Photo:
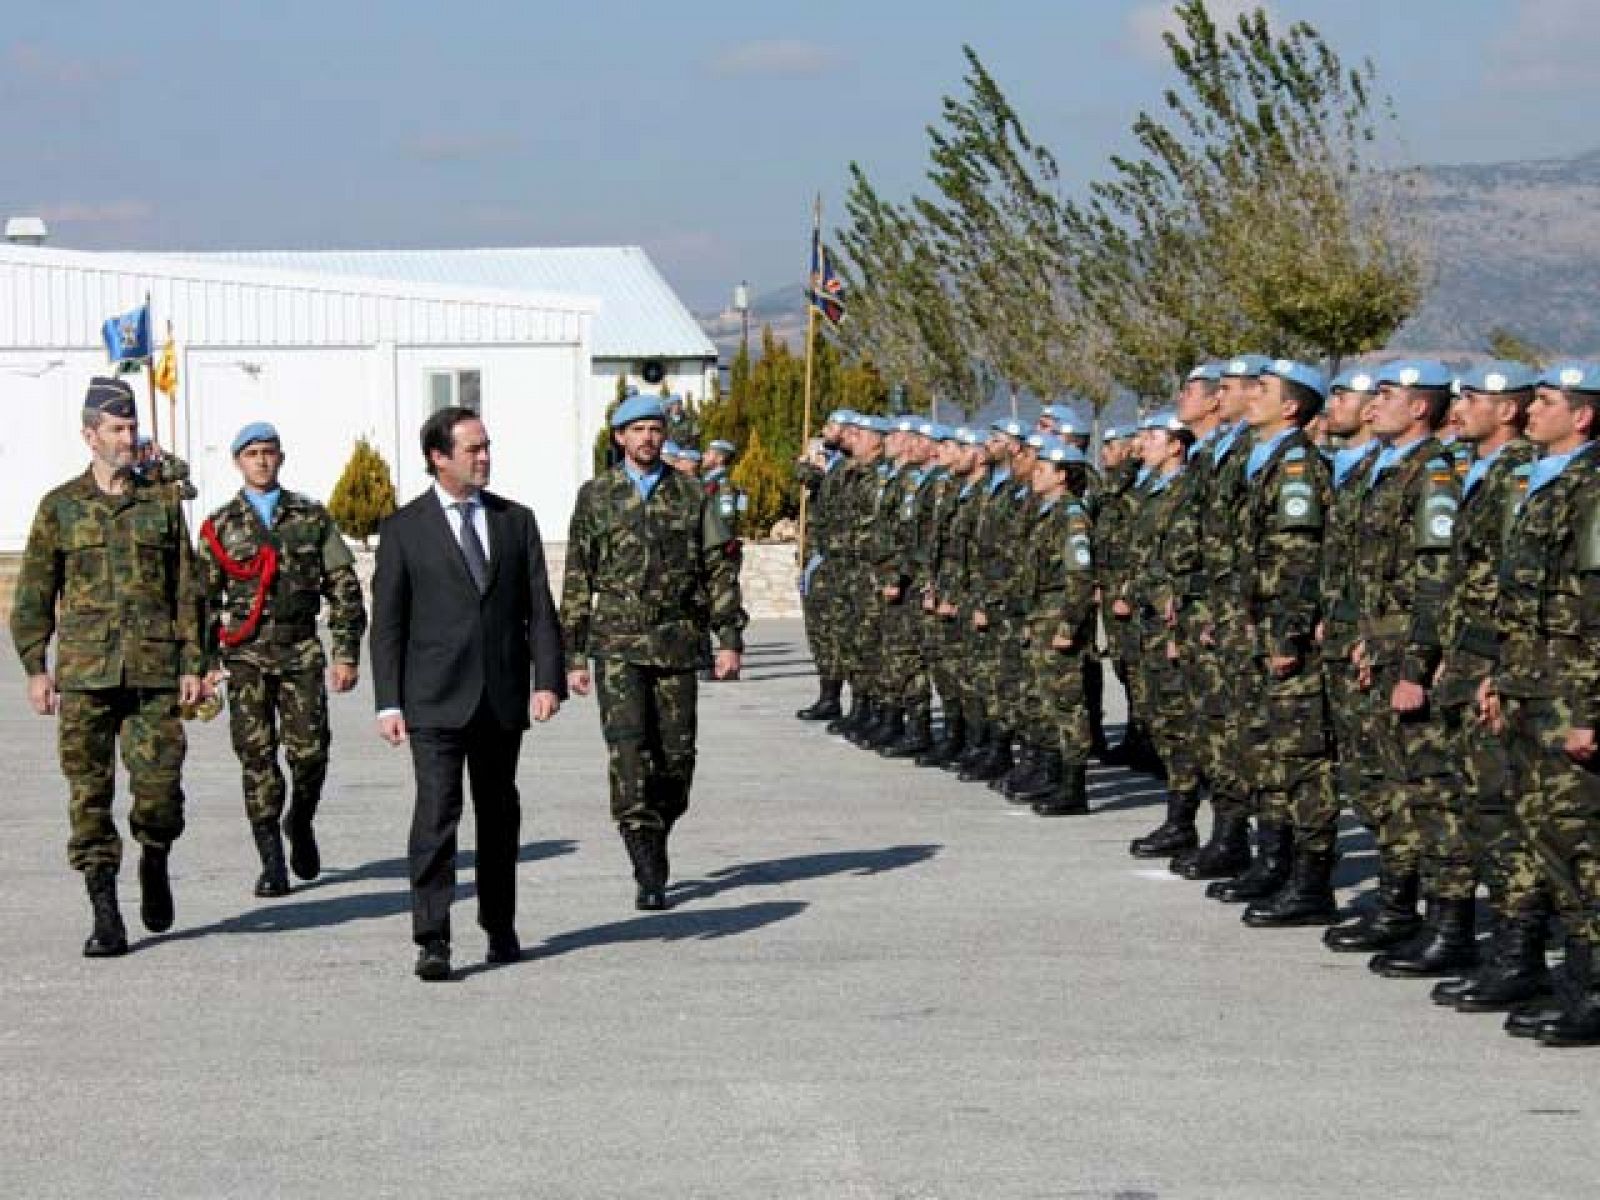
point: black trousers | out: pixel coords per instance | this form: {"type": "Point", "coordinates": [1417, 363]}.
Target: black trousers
{"type": "Point", "coordinates": [489, 753]}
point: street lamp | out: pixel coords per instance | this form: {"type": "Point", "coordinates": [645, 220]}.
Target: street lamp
{"type": "Point", "coordinates": [741, 305]}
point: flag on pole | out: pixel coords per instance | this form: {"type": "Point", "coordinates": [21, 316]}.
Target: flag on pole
{"type": "Point", "coordinates": [827, 289]}
{"type": "Point", "coordinates": [166, 368]}
{"type": "Point", "coordinates": [127, 337]}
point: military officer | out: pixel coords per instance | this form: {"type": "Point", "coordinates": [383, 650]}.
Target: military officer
{"type": "Point", "coordinates": [824, 474]}
{"type": "Point", "coordinates": [651, 568]}
{"type": "Point", "coordinates": [109, 573]}
{"type": "Point", "coordinates": [682, 427]}
{"type": "Point", "coordinates": [715, 464]}
{"type": "Point", "coordinates": [267, 560]}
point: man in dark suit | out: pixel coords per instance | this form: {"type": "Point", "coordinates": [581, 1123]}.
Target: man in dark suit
{"type": "Point", "coordinates": [461, 618]}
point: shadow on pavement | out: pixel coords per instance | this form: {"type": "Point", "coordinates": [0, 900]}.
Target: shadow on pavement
{"type": "Point", "coordinates": [777, 871]}
{"type": "Point", "coordinates": [395, 868]}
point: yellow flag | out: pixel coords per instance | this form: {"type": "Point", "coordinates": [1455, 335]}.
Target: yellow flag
{"type": "Point", "coordinates": [166, 368]}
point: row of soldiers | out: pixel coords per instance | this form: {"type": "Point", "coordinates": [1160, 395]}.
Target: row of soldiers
{"type": "Point", "coordinates": [1317, 600]}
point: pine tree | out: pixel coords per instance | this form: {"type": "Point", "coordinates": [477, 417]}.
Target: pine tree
{"type": "Point", "coordinates": [765, 482]}
{"type": "Point", "coordinates": [364, 494]}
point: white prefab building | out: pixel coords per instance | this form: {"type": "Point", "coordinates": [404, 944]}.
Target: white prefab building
{"type": "Point", "coordinates": [642, 331]}
{"type": "Point", "coordinates": [327, 358]}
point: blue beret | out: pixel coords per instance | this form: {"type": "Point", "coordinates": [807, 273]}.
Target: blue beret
{"type": "Point", "coordinates": [671, 448]}
{"type": "Point", "coordinates": [968, 436]}
{"type": "Point", "coordinates": [638, 408]}
{"type": "Point", "coordinates": [841, 416]}
{"type": "Point", "coordinates": [688, 454]}
{"type": "Point", "coordinates": [111, 396]}
{"type": "Point", "coordinates": [1572, 377]}
{"type": "Point", "coordinates": [672, 400]}
{"type": "Point", "coordinates": [1068, 419]}
{"type": "Point", "coordinates": [1498, 376]}
{"type": "Point", "coordinates": [724, 445]}
{"type": "Point", "coordinates": [872, 424]}
{"type": "Point", "coordinates": [1415, 372]}
{"type": "Point", "coordinates": [1299, 372]}
{"type": "Point", "coordinates": [906, 423]}
{"type": "Point", "coordinates": [1245, 366]}
{"type": "Point", "coordinates": [1210, 372]}
{"type": "Point", "coordinates": [1357, 379]}
{"type": "Point", "coordinates": [1010, 426]}
{"type": "Point", "coordinates": [256, 431]}
{"type": "Point", "coordinates": [1163, 418]}
{"type": "Point", "coordinates": [1115, 433]}
{"type": "Point", "coordinates": [1061, 452]}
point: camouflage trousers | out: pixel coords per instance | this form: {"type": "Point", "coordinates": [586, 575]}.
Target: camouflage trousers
{"type": "Point", "coordinates": [1217, 696]}
{"type": "Point", "coordinates": [1497, 842]}
{"type": "Point", "coordinates": [825, 609]}
{"type": "Point", "coordinates": [1004, 678]}
{"type": "Point", "coordinates": [649, 718]}
{"type": "Point", "coordinates": [1415, 803]}
{"type": "Point", "coordinates": [1284, 755]}
{"type": "Point", "coordinates": [1171, 710]}
{"type": "Point", "coordinates": [1558, 804]}
{"type": "Point", "coordinates": [89, 726]}
{"type": "Point", "coordinates": [862, 629]}
{"type": "Point", "coordinates": [1357, 774]}
{"type": "Point", "coordinates": [977, 653]}
{"type": "Point", "coordinates": [1057, 682]}
{"type": "Point", "coordinates": [943, 656]}
{"type": "Point", "coordinates": [1122, 634]}
{"type": "Point", "coordinates": [266, 709]}
{"type": "Point", "coordinates": [903, 678]}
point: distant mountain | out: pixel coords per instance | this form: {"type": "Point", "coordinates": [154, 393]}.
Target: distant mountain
{"type": "Point", "coordinates": [1513, 245]}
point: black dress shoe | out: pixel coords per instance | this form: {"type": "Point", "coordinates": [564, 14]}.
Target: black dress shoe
{"type": "Point", "coordinates": [433, 961]}
{"type": "Point", "coordinates": [650, 899]}
{"type": "Point", "coordinates": [504, 948]}
{"type": "Point", "coordinates": [155, 890]}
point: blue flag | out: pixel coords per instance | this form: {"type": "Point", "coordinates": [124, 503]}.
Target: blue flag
{"type": "Point", "coordinates": [827, 289]}
{"type": "Point", "coordinates": [128, 336]}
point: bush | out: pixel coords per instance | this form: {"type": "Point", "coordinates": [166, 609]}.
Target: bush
{"type": "Point", "coordinates": [764, 481]}
{"type": "Point", "coordinates": [364, 494]}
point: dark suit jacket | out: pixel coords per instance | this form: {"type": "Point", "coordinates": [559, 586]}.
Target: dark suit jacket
{"type": "Point", "coordinates": [438, 647]}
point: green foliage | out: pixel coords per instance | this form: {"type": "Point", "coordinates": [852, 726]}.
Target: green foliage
{"type": "Point", "coordinates": [765, 482]}
{"type": "Point", "coordinates": [364, 494]}
{"type": "Point", "coordinates": [1503, 343]}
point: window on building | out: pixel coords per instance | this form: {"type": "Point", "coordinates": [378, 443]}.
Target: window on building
{"type": "Point", "coordinates": [447, 389]}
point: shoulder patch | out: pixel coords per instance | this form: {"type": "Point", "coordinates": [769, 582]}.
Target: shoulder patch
{"type": "Point", "coordinates": [1294, 454]}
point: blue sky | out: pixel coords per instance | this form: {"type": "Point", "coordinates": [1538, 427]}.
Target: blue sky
{"type": "Point", "coordinates": [699, 130]}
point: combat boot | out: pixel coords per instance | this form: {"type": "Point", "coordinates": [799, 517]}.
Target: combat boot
{"type": "Point", "coordinates": [826, 706]}
{"type": "Point", "coordinates": [1270, 871]}
{"type": "Point", "coordinates": [844, 721]}
{"type": "Point", "coordinates": [1174, 835]}
{"type": "Point", "coordinates": [978, 737]}
{"type": "Point", "coordinates": [1071, 799]}
{"type": "Point", "coordinates": [1026, 771]}
{"type": "Point", "coordinates": [888, 731]}
{"type": "Point", "coordinates": [1513, 973]}
{"type": "Point", "coordinates": [1579, 1021]}
{"type": "Point", "coordinates": [1226, 853]}
{"type": "Point", "coordinates": [109, 937]}
{"type": "Point", "coordinates": [1394, 919]}
{"type": "Point", "coordinates": [870, 716]}
{"type": "Point", "coordinates": [274, 880]}
{"type": "Point", "coordinates": [914, 742]}
{"type": "Point", "coordinates": [1045, 784]}
{"type": "Point", "coordinates": [951, 742]}
{"type": "Point", "coordinates": [305, 858]}
{"type": "Point", "coordinates": [1307, 899]}
{"type": "Point", "coordinates": [995, 761]}
{"type": "Point", "coordinates": [648, 859]}
{"type": "Point", "coordinates": [155, 890]}
{"type": "Point", "coordinates": [1445, 944]}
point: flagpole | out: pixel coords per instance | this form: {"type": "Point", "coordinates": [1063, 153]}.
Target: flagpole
{"type": "Point", "coordinates": [150, 374]}
{"type": "Point", "coordinates": [811, 341]}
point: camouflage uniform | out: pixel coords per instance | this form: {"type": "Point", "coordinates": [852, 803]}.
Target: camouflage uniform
{"type": "Point", "coordinates": [825, 599]}
{"type": "Point", "coordinates": [954, 577]}
{"type": "Point", "coordinates": [682, 427]}
{"type": "Point", "coordinates": [275, 686]}
{"type": "Point", "coordinates": [903, 510]}
{"type": "Point", "coordinates": [728, 500]}
{"type": "Point", "coordinates": [121, 569]}
{"type": "Point", "coordinates": [936, 503]}
{"type": "Point", "coordinates": [1058, 584]}
{"type": "Point", "coordinates": [1114, 520]}
{"type": "Point", "coordinates": [644, 581]}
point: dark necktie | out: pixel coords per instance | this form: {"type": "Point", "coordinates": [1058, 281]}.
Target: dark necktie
{"type": "Point", "coordinates": [471, 547]}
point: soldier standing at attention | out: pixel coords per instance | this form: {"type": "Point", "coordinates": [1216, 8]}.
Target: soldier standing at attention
{"type": "Point", "coordinates": [729, 502]}
{"type": "Point", "coordinates": [681, 424]}
{"type": "Point", "coordinates": [109, 570]}
{"type": "Point", "coordinates": [651, 568]}
{"type": "Point", "coordinates": [267, 559]}
{"type": "Point", "coordinates": [825, 476]}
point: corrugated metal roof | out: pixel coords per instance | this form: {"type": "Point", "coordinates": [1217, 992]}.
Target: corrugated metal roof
{"type": "Point", "coordinates": [640, 315]}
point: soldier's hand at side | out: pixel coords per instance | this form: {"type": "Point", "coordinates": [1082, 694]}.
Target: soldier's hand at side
{"type": "Point", "coordinates": [1320, 632]}
{"type": "Point", "coordinates": [42, 695]}
{"type": "Point", "coordinates": [392, 729]}
{"type": "Point", "coordinates": [1489, 712]}
{"type": "Point", "coordinates": [1282, 665]}
{"type": "Point", "coordinates": [892, 592]}
{"type": "Point", "coordinates": [946, 609]}
{"type": "Point", "coordinates": [543, 706]}
{"type": "Point", "coordinates": [1061, 642]}
{"type": "Point", "coordinates": [191, 689]}
{"type": "Point", "coordinates": [726, 665]}
{"type": "Point", "coordinates": [578, 682]}
{"type": "Point", "coordinates": [1121, 608]}
{"type": "Point", "coordinates": [1580, 745]}
{"type": "Point", "coordinates": [343, 676]}
{"type": "Point", "coordinates": [980, 619]}
{"type": "Point", "coordinates": [1407, 697]}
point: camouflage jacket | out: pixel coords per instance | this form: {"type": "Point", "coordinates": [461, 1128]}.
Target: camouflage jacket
{"type": "Point", "coordinates": [1006, 512]}
{"type": "Point", "coordinates": [683, 428]}
{"type": "Point", "coordinates": [728, 500]}
{"type": "Point", "coordinates": [894, 535]}
{"type": "Point", "coordinates": [114, 577]}
{"type": "Point", "coordinates": [1058, 576]}
{"type": "Point", "coordinates": [1400, 558]}
{"type": "Point", "coordinates": [1339, 614]}
{"type": "Point", "coordinates": [830, 500]}
{"type": "Point", "coordinates": [1466, 621]}
{"type": "Point", "coordinates": [868, 543]}
{"type": "Point", "coordinates": [931, 501]}
{"type": "Point", "coordinates": [1118, 501]}
{"type": "Point", "coordinates": [1219, 489]}
{"type": "Point", "coordinates": [1166, 554]}
{"type": "Point", "coordinates": [953, 560]}
{"type": "Point", "coordinates": [1280, 567]}
{"type": "Point", "coordinates": [1547, 613]}
{"type": "Point", "coordinates": [313, 563]}
{"type": "Point", "coordinates": [646, 580]}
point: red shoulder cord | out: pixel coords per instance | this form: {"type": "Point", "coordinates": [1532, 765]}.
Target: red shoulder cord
{"type": "Point", "coordinates": [262, 567]}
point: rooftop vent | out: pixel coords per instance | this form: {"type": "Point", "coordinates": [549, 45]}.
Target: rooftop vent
{"type": "Point", "coordinates": [26, 231]}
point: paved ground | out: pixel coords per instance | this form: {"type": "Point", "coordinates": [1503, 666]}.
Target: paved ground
{"type": "Point", "coordinates": [877, 983]}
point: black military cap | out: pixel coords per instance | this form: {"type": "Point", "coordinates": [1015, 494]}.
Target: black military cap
{"type": "Point", "coordinates": [112, 397]}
